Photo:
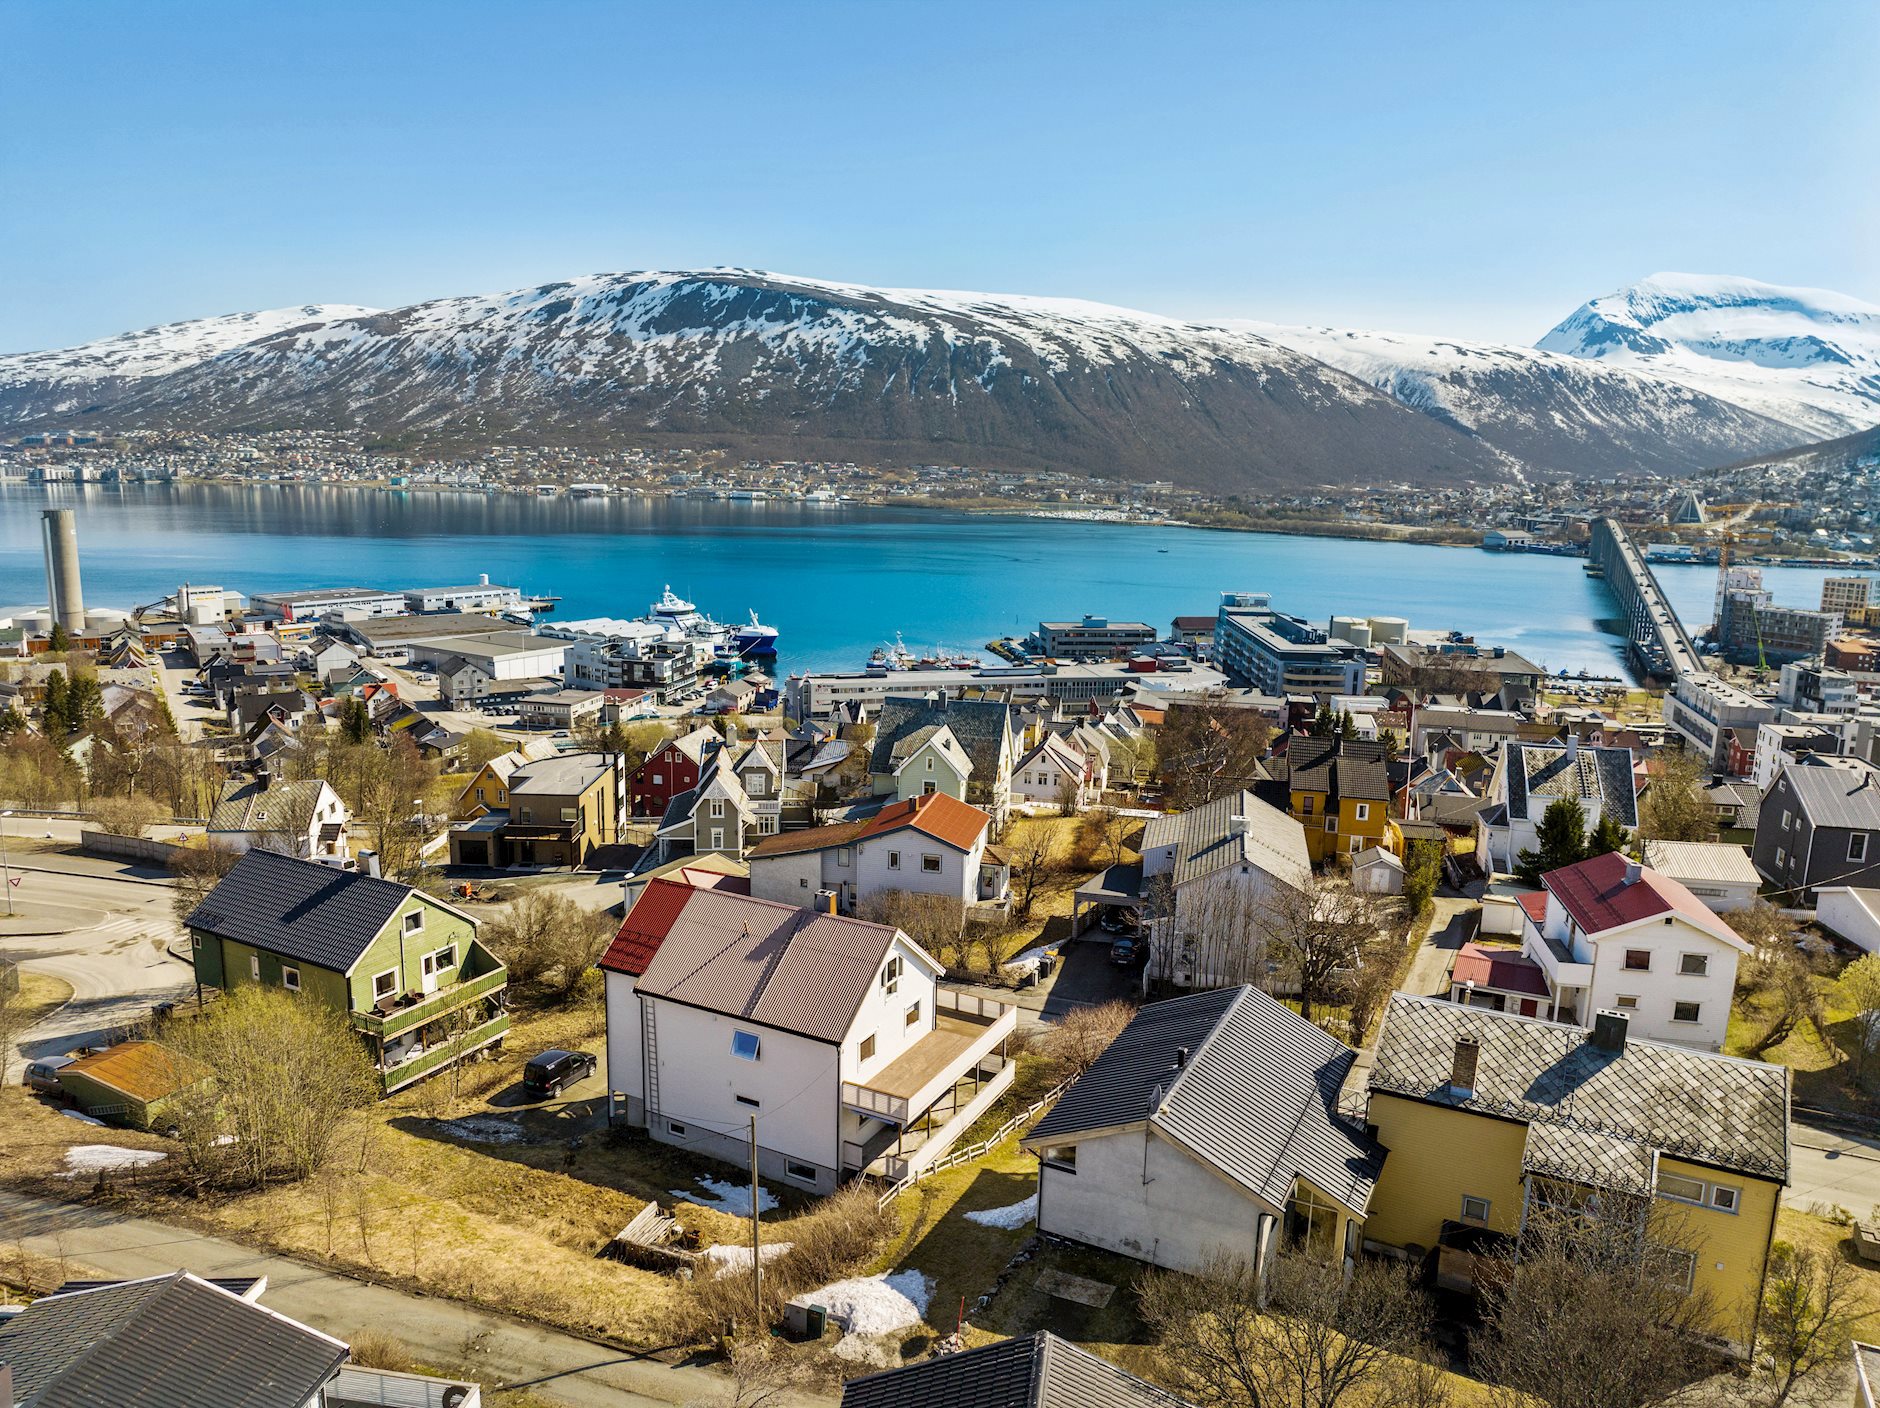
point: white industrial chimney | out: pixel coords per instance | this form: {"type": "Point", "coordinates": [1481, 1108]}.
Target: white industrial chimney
{"type": "Point", "coordinates": [66, 599]}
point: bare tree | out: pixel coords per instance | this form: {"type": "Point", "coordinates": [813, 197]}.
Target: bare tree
{"type": "Point", "coordinates": [126, 816]}
{"type": "Point", "coordinates": [1673, 806]}
{"type": "Point", "coordinates": [935, 922]}
{"type": "Point", "coordinates": [1208, 750]}
{"type": "Point", "coordinates": [1860, 988]}
{"type": "Point", "coordinates": [1812, 1304]}
{"type": "Point", "coordinates": [1592, 1306]}
{"type": "Point", "coordinates": [1214, 932]}
{"type": "Point", "coordinates": [1069, 790]}
{"type": "Point", "coordinates": [1367, 989]}
{"type": "Point", "coordinates": [1071, 1046]}
{"type": "Point", "coordinates": [1034, 863]}
{"type": "Point", "coordinates": [268, 1082]}
{"type": "Point", "coordinates": [1102, 831]}
{"type": "Point", "coordinates": [198, 870]}
{"type": "Point", "coordinates": [1783, 979]}
{"type": "Point", "coordinates": [1318, 931]}
{"type": "Point", "coordinates": [548, 941]}
{"type": "Point", "coordinates": [1312, 1340]}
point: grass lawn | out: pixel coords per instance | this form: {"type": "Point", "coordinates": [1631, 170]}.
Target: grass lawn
{"type": "Point", "coordinates": [39, 996]}
{"type": "Point", "coordinates": [1049, 921]}
{"type": "Point", "coordinates": [1824, 1076]}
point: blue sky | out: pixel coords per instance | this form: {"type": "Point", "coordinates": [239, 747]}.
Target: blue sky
{"type": "Point", "coordinates": [1475, 169]}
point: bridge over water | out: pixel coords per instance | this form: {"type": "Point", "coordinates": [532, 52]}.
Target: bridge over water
{"type": "Point", "coordinates": [1656, 641]}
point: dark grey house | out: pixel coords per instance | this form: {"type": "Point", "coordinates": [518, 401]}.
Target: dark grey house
{"type": "Point", "coordinates": [1819, 824]}
{"type": "Point", "coordinates": [1038, 1370]}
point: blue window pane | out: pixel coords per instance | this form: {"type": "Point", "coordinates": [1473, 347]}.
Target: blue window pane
{"type": "Point", "coordinates": [744, 1044]}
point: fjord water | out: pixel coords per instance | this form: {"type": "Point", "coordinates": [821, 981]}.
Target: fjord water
{"type": "Point", "coordinates": [837, 582]}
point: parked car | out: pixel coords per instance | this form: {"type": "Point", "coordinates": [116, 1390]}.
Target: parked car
{"type": "Point", "coordinates": [42, 1076]}
{"type": "Point", "coordinates": [552, 1072]}
{"type": "Point", "coordinates": [1115, 919]}
{"type": "Point", "coordinates": [1128, 951]}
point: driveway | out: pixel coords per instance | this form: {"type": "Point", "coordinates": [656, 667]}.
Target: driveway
{"type": "Point", "coordinates": [500, 1352]}
{"type": "Point", "coordinates": [1453, 925]}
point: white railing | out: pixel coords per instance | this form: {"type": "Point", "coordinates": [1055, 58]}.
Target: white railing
{"type": "Point", "coordinates": [970, 1152]}
{"type": "Point", "coordinates": [969, 1005]}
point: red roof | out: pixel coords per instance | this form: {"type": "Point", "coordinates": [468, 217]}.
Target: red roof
{"type": "Point", "coordinates": [1536, 906]}
{"type": "Point", "coordinates": [937, 815]}
{"type": "Point", "coordinates": [645, 927]}
{"type": "Point", "coordinates": [1502, 969]}
{"type": "Point", "coordinates": [1596, 894]}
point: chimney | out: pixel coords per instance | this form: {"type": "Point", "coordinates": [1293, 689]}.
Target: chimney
{"type": "Point", "coordinates": [370, 860]}
{"type": "Point", "coordinates": [1181, 1057]}
{"type": "Point", "coordinates": [1573, 743]}
{"type": "Point", "coordinates": [1633, 870]}
{"type": "Point", "coordinates": [1462, 1067]}
{"type": "Point", "coordinates": [1237, 826]}
{"type": "Point", "coordinates": [1609, 1028]}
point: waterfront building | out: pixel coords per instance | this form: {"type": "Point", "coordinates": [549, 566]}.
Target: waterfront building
{"type": "Point", "coordinates": [1093, 638]}
{"type": "Point", "coordinates": [351, 603]}
{"type": "Point", "coordinates": [1278, 654]}
{"type": "Point", "coordinates": [818, 696]}
{"type": "Point", "coordinates": [480, 597]}
{"type": "Point", "coordinates": [1847, 595]}
{"type": "Point", "coordinates": [1447, 663]}
{"type": "Point", "coordinates": [1705, 710]}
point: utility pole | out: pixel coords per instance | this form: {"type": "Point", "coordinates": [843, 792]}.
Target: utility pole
{"type": "Point", "coordinates": [757, 1260]}
{"type": "Point", "coordinates": [6, 877]}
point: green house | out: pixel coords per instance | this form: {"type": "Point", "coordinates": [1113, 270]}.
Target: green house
{"type": "Point", "coordinates": [406, 968]}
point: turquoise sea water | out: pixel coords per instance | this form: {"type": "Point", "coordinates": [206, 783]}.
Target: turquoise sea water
{"type": "Point", "coordinates": [836, 581]}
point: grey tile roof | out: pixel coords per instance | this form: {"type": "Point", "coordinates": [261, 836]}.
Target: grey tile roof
{"type": "Point", "coordinates": [1204, 839]}
{"type": "Point", "coordinates": [1038, 1370]}
{"type": "Point", "coordinates": [1256, 1099]}
{"type": "Point", "coordinates": [982, 726]}
{"type": "Point", "coordinates": [167, 1342]}
{"type": "Point", "coordinates": [299, 909]}
{"type": "Point", "coordinates": [1838, 792]}
{"type": "Point", "coordinates": [780, 966]}
{"type": "Point", "coordinates": [1540, 774]}
{"type": "Point", "coordinates": [1338, 767]}
{"type": "Point", "coordinates": [248, 806]}
{"type": "Point", "coordinates": [1694, 1105]}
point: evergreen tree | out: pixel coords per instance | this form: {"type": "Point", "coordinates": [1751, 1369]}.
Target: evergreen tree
{"type": "Point", "coordinates": [1560, 840]}
{"type": "Point", "coordinates": [11, 722]}
{"type": "Point", "coordinates": [1347, 727]}
{"type": "Point", "coordinates": [60, 640]}
{"type": "Point", "coordinates": [1323, 724]}
{"type": "Point", "coordinates": [53, 708]}
{"type": "Point", "coordinates": [1607, 837]}
{"type": "Point", "coordinates": [355, 721]}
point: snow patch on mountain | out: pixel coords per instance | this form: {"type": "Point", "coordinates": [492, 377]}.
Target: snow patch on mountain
{"type": "Point", "coordinates": [1807, 356]}
{"type": "Point", "coordinates": [172, 347]}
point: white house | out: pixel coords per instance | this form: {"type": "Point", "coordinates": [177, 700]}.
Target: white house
{"type": "Point", "coordinates": [306, 820]}
{"type": "Point", "coordinates": [1207, 876]}
{"type": "Point", "coordinates": [830, 1033]}
{"type": "Point", "coordinates": [1851, 912]}
{"type": "Point", "coordinates": [1054, 771]}
{"type": "Point", "coordinates": [929, 845]}
{"type": "Point", "coordinates": [1210, 1125]}
{"type": "Point", "coordinates": [1610, 934]}
{"type": "Point", "coordinates": [1721, 875]}
{"type": "Point", "coordinates": [1530, 777]}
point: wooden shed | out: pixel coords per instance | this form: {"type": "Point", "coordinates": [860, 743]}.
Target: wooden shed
{"type": "Point", "coordinates": [130, 1083]}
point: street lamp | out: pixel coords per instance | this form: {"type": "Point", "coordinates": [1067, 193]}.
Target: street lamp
{"type": "Point", "coordinates": [6, 874]}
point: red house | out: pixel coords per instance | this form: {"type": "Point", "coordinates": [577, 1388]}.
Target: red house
{"type": "Point", "coordinates": [673, 769]}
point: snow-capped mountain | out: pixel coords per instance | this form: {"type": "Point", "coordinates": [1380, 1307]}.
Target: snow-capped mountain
{"type": "Point", "coordinates": [794, 367]}
{"type": "Point", "coordinates": [1805, 356]}
{"type": "Point", "coordinates": [1553, 413]}
{"type": "Point", "coordinates": [1677, 374]}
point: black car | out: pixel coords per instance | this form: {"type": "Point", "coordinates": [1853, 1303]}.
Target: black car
{"type": "Point", "coordinates": [1117, 919]}
{"type": "Point", "coordinates": [1128, 951]}
{"type": "Point", "coordinates": [554, 1071]}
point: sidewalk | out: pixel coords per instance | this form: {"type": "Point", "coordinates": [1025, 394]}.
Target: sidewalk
{"type": "Point", "coordinates": [499, 1352]}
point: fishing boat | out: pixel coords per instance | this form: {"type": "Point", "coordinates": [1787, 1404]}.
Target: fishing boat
{"type": "Point", "coordinates": [754, 639]}
{"type": "Point", "coordinates": [681, 615]}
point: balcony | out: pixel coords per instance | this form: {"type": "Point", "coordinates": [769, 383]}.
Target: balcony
{"type": "Point", "coordinates": [489, 978]}
{"type": "Point", "coordinates": [423, 1061]}
{"type": "Point", "coordinates": [967, 1029]}
{"type": "Point", "coordinates": [355, 1386]}
{"type": "Point", "coordinates": [1556, 961]}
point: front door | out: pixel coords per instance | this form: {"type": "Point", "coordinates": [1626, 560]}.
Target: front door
{"type": "Point", "coordinates": [427, 968]}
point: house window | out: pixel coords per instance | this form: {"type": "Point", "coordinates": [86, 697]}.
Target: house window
{"type": "Point", "coordinates": [290, 978]}
{"type": "Point", "coordinates": [930, 765]}
{"type": "Point", "coordinates": [1626, 1002]}
{"type": "Point", "coordinates": [802, 1172]}
{"type": "Point", "coordinates": [913, 1015]}
{"type": "Point", "coordinates": [717, 806]}
{"type": "Point", "coordinates": [659, 779]}
{"type": "Point", "coordinates": [842, 856]}
{"type": "Point", "coordinates": [1311, 1224]}
{"type": "Point", "coordinates": [674, 1127]}
{"type": "Point", "coordinates": [1305, 806]}
{"type": "Point", "coordinates": [1684, 1011]}
{"type": "Point", "coordinates": [930, 864]}
{"type": "Point", "coordinates": [1681, 1189]}
{"type": "Point", "coordinates": [745, 1045]}
{"type": "Point", "coordinates": [928, 788]}
{"type": "Point", "coordinates": [569, 814]}
{"type": "Point", "coordinates": [865, 1048]}
{"type": "Point", "coordinates": [1694, 965]}
{"type": "Point", "coordinates": [894, 860]}
{"type": "Point", "coordinates": [891, 975]}
{"type": "Point", "coordinates": [526, 815]}
{"type": "Point", "coordinates": [384, 984]}
{"type": "Point", "coordinates": [1785, 821]}
{"type": "Point", "coordinates": [1638, 960]}
{"type": "Point", "coordinates": [414, 921]}
{"type": "Point", "coordinates": [480, 796]}
{"type": "Point", "coordinates": [1781, 855]}
{"type": "Point", "coordinates": [802, 882]}
{"type": "Point", "coordinates": [1363, 812]}
{"type": "Point", "coordinates": [747, 1100]}
{"type": "Point", "coordinates": [195, 940]}
{"type": "Point", "coordinates": [1474, 1209]}
{"type": "Point", "coordinates": [254, 966]}
{"type": "Point", "coordinates": [1677, 1266]}
{"type": "Point", "coordinates": [1725, 1198]}
{"type": "Point", "coordinates": [1062, 1157]}
{"type": "Point", "coordinates": [1857, 846]}
{"type": "Point", "coordinates": [718, 838]}
{"type": "Point", "coordinates": [1331, 823]}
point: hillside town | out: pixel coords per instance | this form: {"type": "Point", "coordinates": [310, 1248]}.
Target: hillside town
{"type": "Point", "coordinates": [875, 1036]}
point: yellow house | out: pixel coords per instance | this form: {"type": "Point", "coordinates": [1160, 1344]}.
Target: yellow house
{"type": "Point", "coordinates": [1341, 794]}
{"type": "Point", "coordinates": [1485, 1112]}
{"type": "Point", "coordinates": [488, 788]}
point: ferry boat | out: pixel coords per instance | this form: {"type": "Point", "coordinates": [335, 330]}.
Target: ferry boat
{"type": "Point", "coordinates": [676, 613]}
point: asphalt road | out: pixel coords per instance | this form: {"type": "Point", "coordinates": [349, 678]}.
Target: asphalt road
{"type": "Point", "coordinates": [498, 1351]}
{"type": "Point", "coordinates": [1828, 1168]}
{"type": "Point", "coordinates": [118, 924]}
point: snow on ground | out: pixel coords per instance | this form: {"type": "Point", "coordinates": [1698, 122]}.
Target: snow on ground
{"type": "Point", "coordinates": [727, 1257]}
{"type": "Point", "coordinates": [734, 1198]}
{"type": "Point", "coordinates": [1016, 1215]}
{"type": "Point", "coordinates": [877, 1305]}
{"type": "Point", "coordinates": [82, 1117]}
{"type": "Point", "coordinates": [484, 1129]}
{"type": "Point", "coordinates": [95, 1158]}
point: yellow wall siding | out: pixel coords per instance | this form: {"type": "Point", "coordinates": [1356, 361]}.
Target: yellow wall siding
{"type": "Point", "coordinates": [1374, 830]}
{"type": "Point", "coordinates": [1731, 1248]}
{"type": "Point", "coordinates": [1437, 1156]}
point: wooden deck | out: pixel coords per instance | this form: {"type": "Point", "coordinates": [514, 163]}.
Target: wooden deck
{"type": "Point", "coordinates": [906, 1075]}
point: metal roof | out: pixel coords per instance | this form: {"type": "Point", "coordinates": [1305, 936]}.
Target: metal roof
{"type": "Point", "coordinates": [1696, 1105]}
{"type": "Point", "coordinates": [1256, 1097]}
{"type": "Point", "coordinates": [1712, 861]}
{"type": "Point", "coordinates": [568, 775]}
{"type": "Point", "coordinates": [1836, 792]}
{"type": "Point", "coordinates": [1038, 1370]}
{"type": "Point", "coordinates": [1540, 774]}
{"type": "Point", "coordinates": [299, 909]}
{"type": "Point", "coordinates": [1205, 839]}
{"type": "Point", "coordinates": [167, 1342]}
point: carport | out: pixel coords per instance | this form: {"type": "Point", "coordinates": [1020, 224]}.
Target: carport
{"type": "Point", "coordinates": [1119, 884]}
